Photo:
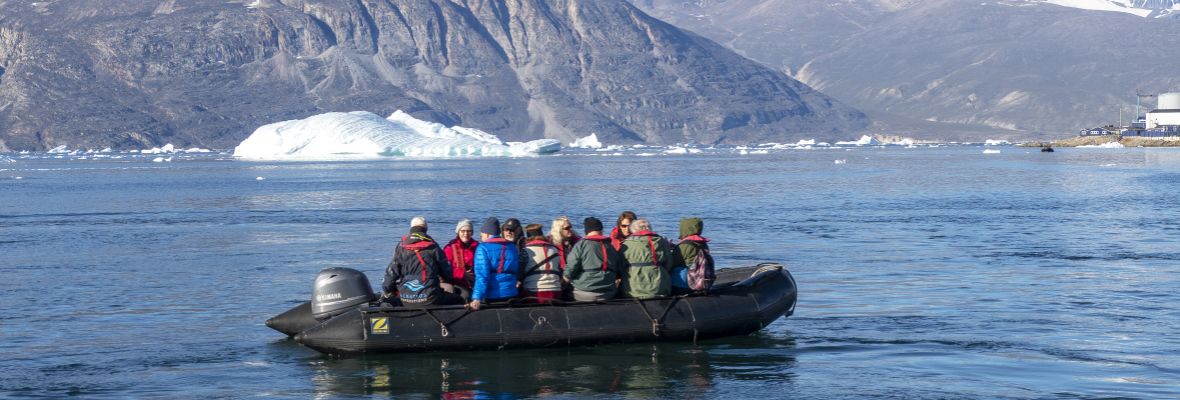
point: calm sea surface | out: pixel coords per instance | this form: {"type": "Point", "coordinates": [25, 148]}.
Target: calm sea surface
{"type": "Point", "coordinates": [923, 273]}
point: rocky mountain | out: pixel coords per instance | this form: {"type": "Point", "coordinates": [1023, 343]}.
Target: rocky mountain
{"type": "Point", "coordinates": [135, 74]}
{"type": "Point", "coordinates": [1021, 68]}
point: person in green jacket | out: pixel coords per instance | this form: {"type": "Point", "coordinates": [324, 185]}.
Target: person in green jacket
{"type": "Point", "coordinates": [691, 243]}
{"type": "Point", "coordinates": [650, 260]}
{"type": "Point", "coordinates": [593, 267]}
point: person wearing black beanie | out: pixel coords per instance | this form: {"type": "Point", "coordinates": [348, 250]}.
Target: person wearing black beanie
{"type": "Point", "coordinates": [593, 267]}
{"type": "Point", "coordinates": [592, 225]}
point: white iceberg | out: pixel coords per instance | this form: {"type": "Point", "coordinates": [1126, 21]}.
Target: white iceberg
{"type": "Point", "coordinates": [991, 151]}
{"type": "Point", "coordinates": [588, 142]}
{"type": "Point", "coordinates": [59, 150]}
{"type": "Point", "coordinates": [168, 148]}
{"type": "Point", "coordinates": [864, 140]}
{"type": "Point", "coordinates": [996, 142]}
{"type": "Point", "coordinates": [362, 134]}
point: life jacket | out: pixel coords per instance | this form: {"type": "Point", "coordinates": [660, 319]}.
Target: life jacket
{"type": "Point", "coordinates": [562, 249]}
{"type": "Point", "coordinates": [602, 242]}
{"type": "Point", "coordinates": [617, 237]}
{"type": "Point", "coordinates": [702, 272]}
{"type": "Point", "coordinates": [503, 250]}
{"type": "Point", "coordinates": [545, 245]}
{"type": "Point", "coordinates": [417, 247]}
{"type": "Point", "coordinates": [459, 255]}
{"type": "Point", "coordinates": [651, 246]}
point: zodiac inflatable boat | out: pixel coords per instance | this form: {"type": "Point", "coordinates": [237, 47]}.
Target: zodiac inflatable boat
{"type": "Point", "coordinates": [343, 318]}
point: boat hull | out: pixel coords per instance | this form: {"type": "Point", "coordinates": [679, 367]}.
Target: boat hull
{"type": "Point", "coordinates": [733, 307]}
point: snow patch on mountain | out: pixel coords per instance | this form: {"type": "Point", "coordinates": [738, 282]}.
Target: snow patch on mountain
{"type": "Point", "coordinates": [1140, 8]}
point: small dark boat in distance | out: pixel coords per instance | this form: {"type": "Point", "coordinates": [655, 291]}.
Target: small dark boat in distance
{"type": "Point", "coordinates": [744, 300]}
{"type": "Point", "coordinates": [1046, 149]}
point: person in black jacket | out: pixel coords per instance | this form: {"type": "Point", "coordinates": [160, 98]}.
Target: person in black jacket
{"type": "Point", "coordinates": [413, 275]}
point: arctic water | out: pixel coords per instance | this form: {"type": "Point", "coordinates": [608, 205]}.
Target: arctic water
{"type": "Point", "coordinates": [924, 273]}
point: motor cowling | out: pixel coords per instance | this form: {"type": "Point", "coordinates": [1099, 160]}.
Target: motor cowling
{"type": "Point", "coordinates": [338, 290]}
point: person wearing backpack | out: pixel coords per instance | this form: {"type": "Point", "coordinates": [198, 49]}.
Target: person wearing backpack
{"type": "Point", "coordinates": [695, 272]}
{"type": "Point", "coordinates": [542, 272]}
{"type": "Point", "coordinates": [649, 263]}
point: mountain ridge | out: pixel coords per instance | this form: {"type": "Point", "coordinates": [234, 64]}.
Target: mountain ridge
{"type": "Point", "coordinates": [1021, 69]}
{"type": "Point", "coordinates": [132, 75]}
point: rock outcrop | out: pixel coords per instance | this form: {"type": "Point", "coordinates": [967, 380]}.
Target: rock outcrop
{"type": "Point", "coordinates": [133, 74]}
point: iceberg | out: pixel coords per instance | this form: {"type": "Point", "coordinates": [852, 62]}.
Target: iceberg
{"type": "Point", "coordinates": [991, 151]}
{"type": "Point", "coordinates": [996, 142]}
{"type": "Point", "coordinates": [588, 142]}
{"type": "Point", "coordinates": [864, 140]}
{"type": "Point", "coordinates": [362, 134]}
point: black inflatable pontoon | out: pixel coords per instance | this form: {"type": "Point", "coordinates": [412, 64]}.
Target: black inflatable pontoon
{"type": "Point", "coordinates": [742, 301]}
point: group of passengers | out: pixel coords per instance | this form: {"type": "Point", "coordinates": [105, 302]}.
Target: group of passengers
{"type": "Point", "coordinates": [510, 261]}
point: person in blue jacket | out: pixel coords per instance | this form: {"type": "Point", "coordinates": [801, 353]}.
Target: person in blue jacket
{"type": "Point", "coordinates": [497, 266]}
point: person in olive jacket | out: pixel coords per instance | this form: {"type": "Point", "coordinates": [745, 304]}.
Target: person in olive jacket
{"type": "Point", "coordinates": [650, 260]}
{"type": "Point", "coordinates": [593, 267]}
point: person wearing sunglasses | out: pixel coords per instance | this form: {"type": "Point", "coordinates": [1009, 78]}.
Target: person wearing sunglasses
{"type": "Point", "coordinates": [622, 228]}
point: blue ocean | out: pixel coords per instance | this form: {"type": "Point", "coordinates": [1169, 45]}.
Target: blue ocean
{"type": "Point", "coordinates": [932, 272]}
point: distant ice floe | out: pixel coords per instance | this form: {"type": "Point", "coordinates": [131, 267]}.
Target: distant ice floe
{"type": "Point", "coordinates": [865, 140]}
{"type": "Point", "coordinates": [1107, 145]}
{"type": "Point", "coordinates": [996, 142]}
{"type": "Point", "coordinates": [361, 134]}
{"type": "Point", "coordinates": [588, 142]}
{"type": "Point", "coordinates": [991, 151]}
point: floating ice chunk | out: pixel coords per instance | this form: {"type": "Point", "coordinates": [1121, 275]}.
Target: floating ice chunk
{"type": "Point", "coordinates": [991, 151]}
{"type": "Point", "coordinates": [260, 179]}
{"type": "Point", "coordinates": [682, 150]}
{"type": "Point", "coordinates": [996, 142]}
{"type": "Point", "coordinates": [168, 148]}
{"type": "Point", "coordinates": [1107, 145]}
{"type": "Point", "coordinates": [18, 177]}
{"type": "Point", "coordinates": [197, 150]}
{"type": "Point", "coordinates": [362, 134]}
{"type": "Point", "coordinates": [588, 142]}
{"type": "Point", "coordinates": [613, 147]}
{"type": "Point", "coordinates": [539, 146]}
{"type": "Point", "coordinates": [805, 142]}
{"type": "Point", "coordinates": [59, 150]}
{"type": "Point", "coordinates": [865, 140]}
{"type": "Point", "coordinates": [158, 159]}
{"type": "Point", "coordinates": [841, 161]}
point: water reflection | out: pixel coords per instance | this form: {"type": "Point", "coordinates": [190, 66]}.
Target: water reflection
{"type": "Point", "coordinates": [664, 370]}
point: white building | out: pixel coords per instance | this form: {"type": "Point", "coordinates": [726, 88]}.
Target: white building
{"type": "Point", "coordinates": [1167, 115]}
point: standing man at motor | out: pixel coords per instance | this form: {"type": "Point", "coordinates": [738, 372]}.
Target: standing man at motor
{"type": "Point", "coordinates": [413, 276]}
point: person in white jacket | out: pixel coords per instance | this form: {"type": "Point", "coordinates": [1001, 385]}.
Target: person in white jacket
{"type": "Point", "coordinates": [542, 272]}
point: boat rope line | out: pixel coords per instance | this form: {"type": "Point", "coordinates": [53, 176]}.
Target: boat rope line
{"type": "Point", "coordinates": [445, 332]}
{"type": "Point", "coordinates": [657, 323]}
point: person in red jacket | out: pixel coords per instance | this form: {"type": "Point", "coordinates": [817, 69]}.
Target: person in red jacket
{"type": "Point", "coordinates": [460, 253]}
{"type": "Point", "coordinates": [622, 228]}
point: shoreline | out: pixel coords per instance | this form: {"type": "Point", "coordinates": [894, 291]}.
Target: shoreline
{"type": "Point", "coordinates": [1129, 141]}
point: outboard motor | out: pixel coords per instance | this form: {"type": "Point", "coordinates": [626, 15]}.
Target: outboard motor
{"type": "Point", "coordinates": [338, 290]}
